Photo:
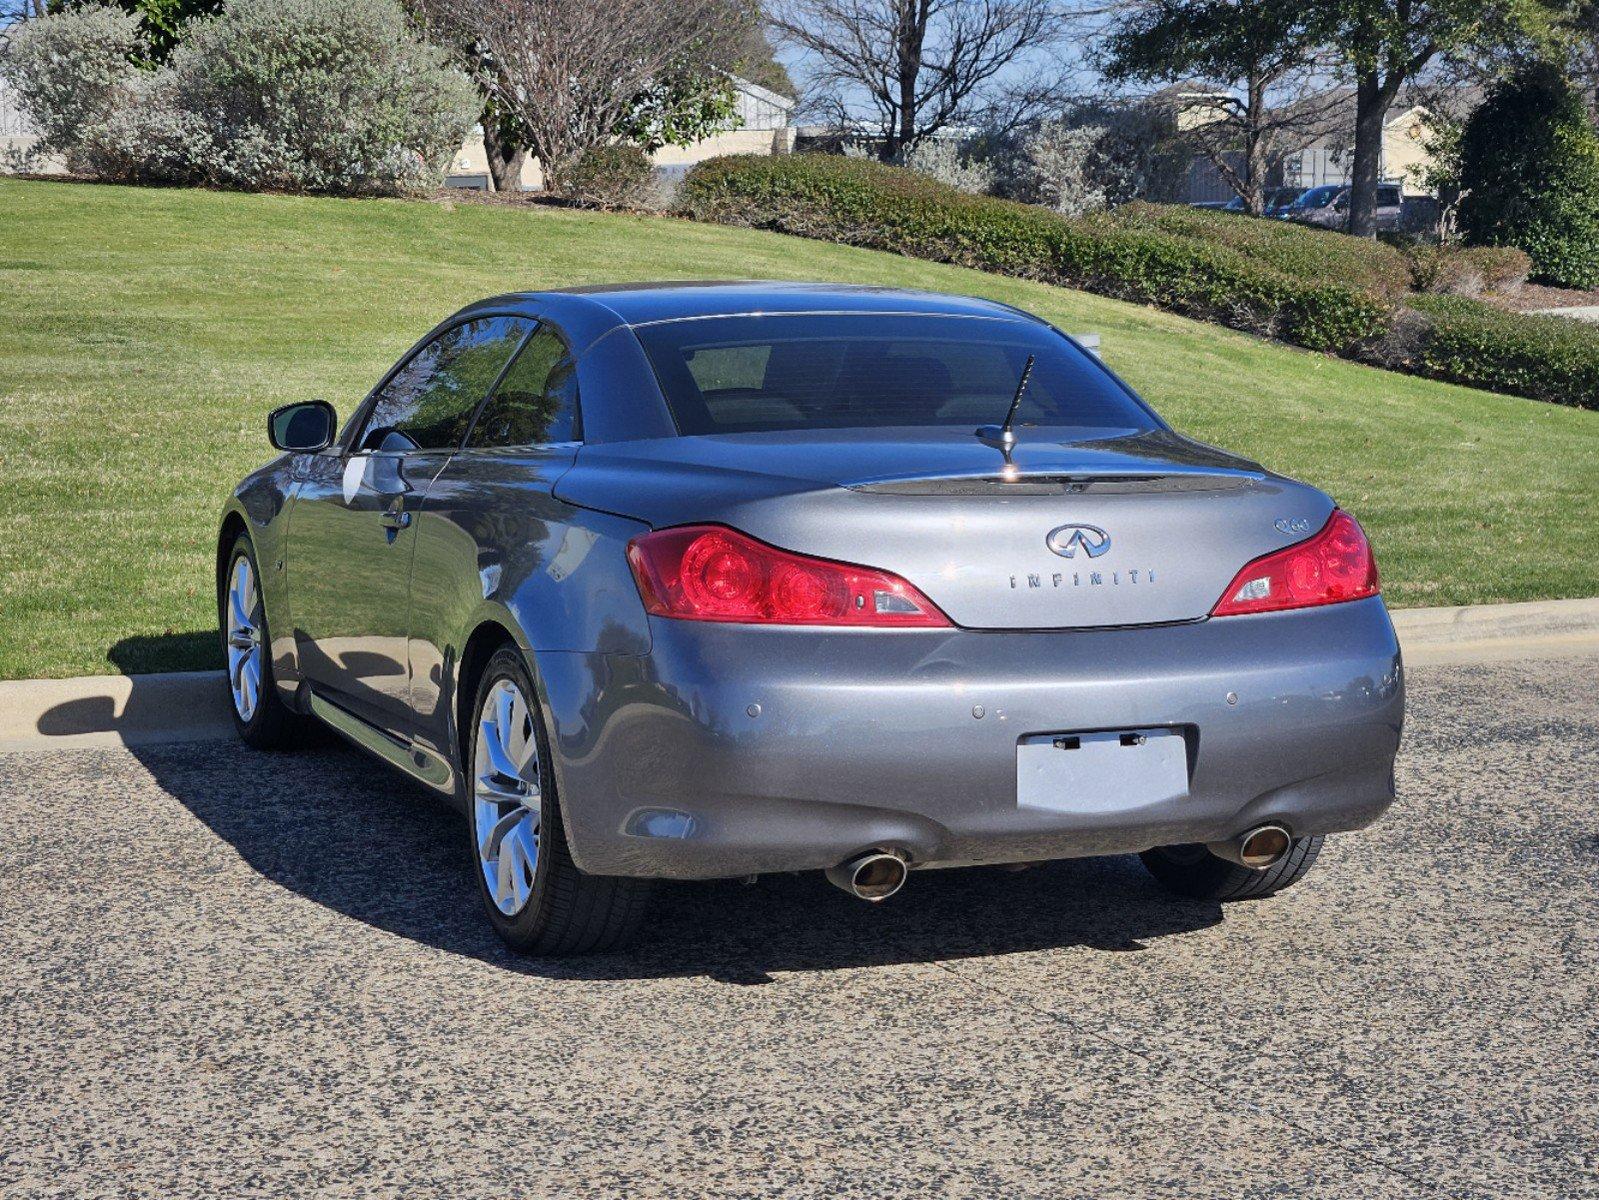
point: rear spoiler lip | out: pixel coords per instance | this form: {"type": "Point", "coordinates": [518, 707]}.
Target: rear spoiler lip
{"type": "Point", "coordinates": [1057, 482]}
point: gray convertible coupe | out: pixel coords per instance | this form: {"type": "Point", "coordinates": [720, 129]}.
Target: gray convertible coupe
{"type": "Point", "coordinates": [692, 581]}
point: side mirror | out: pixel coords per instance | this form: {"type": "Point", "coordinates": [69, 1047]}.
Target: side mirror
{"type": "Point", "coordinates": [303, 428]}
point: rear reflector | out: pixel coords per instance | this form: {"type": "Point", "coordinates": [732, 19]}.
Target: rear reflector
{"type": "Point", "coordinates": [713, 573]}
{"type": "Point", "coordinates": [1333, 566]}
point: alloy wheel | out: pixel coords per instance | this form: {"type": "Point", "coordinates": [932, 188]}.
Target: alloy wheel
{"type": "Point", "coordinates": [244, 638]}
{"type": "Point", "coordinates": [507, 805]}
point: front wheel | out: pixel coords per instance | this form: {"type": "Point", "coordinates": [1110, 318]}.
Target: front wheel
{"type": "Point", "coordinates": [1195, 872]}
{"type": "Point", "coordinates": [259, 714]}
{"type": "Point", "coordinates": [537, 899]}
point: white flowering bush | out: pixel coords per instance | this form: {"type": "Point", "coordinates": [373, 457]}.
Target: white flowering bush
{"type": "Point", "coordinates": [71, 71]}
{"type": "Point", "coordinates": [948, 161]}
{"type": "Point", "coordinates": [322, 95]}
{"type": "Point", "coordinates": [293, 95]}
{"type": "Point", "coordinates": [1092, 157]}
{"type": "Point", "coordinates": [951, 163]}
{"type": "Point", "coordinates": [1062, 167]}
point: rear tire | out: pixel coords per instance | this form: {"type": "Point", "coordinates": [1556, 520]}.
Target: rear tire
{"type": "Point", "coordinates": [260, 717]}
{"type": "Point", "coordinates": [535, 896]}
{"type": "Point", "coordinates": [1195, 872]}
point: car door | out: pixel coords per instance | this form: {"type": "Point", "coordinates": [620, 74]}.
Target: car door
{"type": "Point", "coordinates": [351, 534]}
{"type": "Point", "coordinates": [490, 520]}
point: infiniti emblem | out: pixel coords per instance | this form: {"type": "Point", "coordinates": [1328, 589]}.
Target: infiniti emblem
{"type": "Point", "coordinates": [1066, 540]}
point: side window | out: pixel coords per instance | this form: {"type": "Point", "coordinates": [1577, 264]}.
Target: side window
{"type": "Point", "coordinates": [428, 403]}
{"type": "Point", "coordinates": [536, 402]}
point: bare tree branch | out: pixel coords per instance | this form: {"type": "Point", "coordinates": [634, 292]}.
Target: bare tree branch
{"type": "Point", "coordinates": [911, 68]}
{"type": "Point", "coordinates": [569, 71]}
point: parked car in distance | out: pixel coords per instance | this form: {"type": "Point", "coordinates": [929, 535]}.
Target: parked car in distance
{"type": "Point", "coordinates": [1328, 206]}
{"type": "Point", "coordinates": [1275, 199]}
{"type": "Point", "coordinates": [690, 581]}
{"type": "Point", "coordinates": [1316, 206]}
{"type": "Point", "coordinates": [1279, 199]}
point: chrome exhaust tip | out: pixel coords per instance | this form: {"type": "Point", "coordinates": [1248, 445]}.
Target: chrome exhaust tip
{"type": "Point", "coordinates": [1262, 847]}
{"type": "Point", "coordinates": [875, 876]}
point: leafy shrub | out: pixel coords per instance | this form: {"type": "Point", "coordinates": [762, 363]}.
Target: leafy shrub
{"type": "Point", "coordinates": [150, 138]}
{"type": "Point", "coordinates": [886, 208]}
{"type": "Point", "coordinates": [1296, 249]}
{"type": "Point", "coordinates": [1503, 268]}
{"type": "Point", "coordinates": [323, 95]}
{"type": "Point", "coordinates": [1467, 270]}
{"type": "Point", "coordinates": [71, 71]}
{"type": "Point", "coordinates": [1466, 341]}
{"type": "Point", "coordinates": [297, 95]}
{"type": "Point", "coordinates": [1530, 159]}
{"type": "Point", "coordinates": [615, 176]}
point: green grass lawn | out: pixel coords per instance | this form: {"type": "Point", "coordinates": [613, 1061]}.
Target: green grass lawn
{"type": "Point", "coordinates": [144, 334]}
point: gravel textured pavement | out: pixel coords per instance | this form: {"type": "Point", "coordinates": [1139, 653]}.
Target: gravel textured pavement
{"type": "Point", "coordinates": [229, 973]}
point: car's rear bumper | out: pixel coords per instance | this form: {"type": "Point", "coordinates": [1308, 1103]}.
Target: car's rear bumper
{"type": "Point", "coordinates": [735, 750]}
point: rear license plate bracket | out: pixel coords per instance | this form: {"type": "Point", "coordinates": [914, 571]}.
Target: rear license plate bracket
{"type": "Point", "coordinates": [1101, 771]}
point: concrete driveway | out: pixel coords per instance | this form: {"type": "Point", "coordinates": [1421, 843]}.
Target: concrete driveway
{"type": "Point", "coordinates": [229, 973]}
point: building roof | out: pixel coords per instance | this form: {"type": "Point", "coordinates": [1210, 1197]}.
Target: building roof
{"type": "Point", "coordinates": [764, 95]}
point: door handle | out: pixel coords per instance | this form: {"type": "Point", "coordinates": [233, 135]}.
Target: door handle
{"type": "Point", "coordinates": [396, 518]}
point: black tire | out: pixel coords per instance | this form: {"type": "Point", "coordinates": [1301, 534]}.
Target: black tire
{"type": "Point", "coordinates": [273, 725]}
{"type": "Point", "coordinates": [568, 912]}
{"type": "Point", "coordinates": [1195, 872]}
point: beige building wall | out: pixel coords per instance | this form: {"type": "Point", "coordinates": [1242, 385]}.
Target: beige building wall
{"type": "Point", "coordinates": [16, 154]}
{"type": "Point", "coordinates": [17, 141]}
{"type": "Point", "coordinates": [1404, 150]}
{"type": "Point", "coordinates": [733, 141]}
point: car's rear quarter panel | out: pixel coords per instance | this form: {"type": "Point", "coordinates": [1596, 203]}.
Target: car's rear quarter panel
{"type": "Point", "coordinates": [495, 547]}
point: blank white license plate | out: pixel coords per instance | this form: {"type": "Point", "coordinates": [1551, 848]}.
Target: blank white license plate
{"type": "Point", "coordinates": [1101, 772]}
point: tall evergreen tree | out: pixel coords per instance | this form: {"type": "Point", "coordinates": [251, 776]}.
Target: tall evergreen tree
{"type": "Point", "coordinates": [1529, 166]}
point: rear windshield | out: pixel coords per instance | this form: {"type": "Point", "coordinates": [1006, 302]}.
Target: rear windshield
{"type": "Point", "coordinates": [754, 374]}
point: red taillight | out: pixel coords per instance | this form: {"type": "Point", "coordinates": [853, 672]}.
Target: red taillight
{"type": "Point", "coordinates": [712, 573]}
{"type": "Point", "coordinates": [1334, 566]}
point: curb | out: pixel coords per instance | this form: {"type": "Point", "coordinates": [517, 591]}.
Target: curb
{"type": "Point", "coordinates": [1482, 622]}
{"type": "Point", "coordinates": [192, 706]}
{"type": "Point", "coordinates": [113, 710]}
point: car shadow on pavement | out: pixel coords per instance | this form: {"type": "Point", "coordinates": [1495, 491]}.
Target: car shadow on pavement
{"type": "Point", "coordinates": [337, 829]}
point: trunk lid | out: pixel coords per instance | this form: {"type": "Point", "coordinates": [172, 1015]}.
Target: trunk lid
{"type": "Point", "coordinates": [1135, 530]}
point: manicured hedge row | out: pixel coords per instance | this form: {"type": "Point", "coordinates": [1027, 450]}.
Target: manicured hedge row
{"type": "Point", "coordinates": [1299, 250]}
{"type": "Point", "coordinates": [1468, 270]}
{"type": "Point", "coordinates": [865, 203]}
{"type": "Point", "coordinates": [1322, 291]}
{"type": "Point", "coordinates": [1466, 341]}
